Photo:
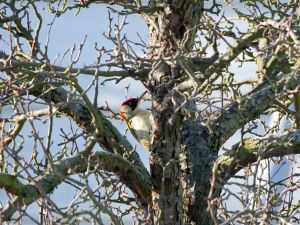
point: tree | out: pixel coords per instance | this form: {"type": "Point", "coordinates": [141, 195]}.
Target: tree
{"type": "Point", "coordinates": [199, 101]}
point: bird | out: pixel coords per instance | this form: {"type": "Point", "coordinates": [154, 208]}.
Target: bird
{"type": "Point", "coordinates": [137, 120]}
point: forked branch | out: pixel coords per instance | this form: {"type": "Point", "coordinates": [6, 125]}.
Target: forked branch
{"type": "Point", "coordinates": [250, 150]}
{"type": "Point", "coordinates": [25, 194]}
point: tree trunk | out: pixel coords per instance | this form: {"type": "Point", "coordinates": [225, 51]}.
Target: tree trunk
{"type": "Point", "coordinates": [183, 164]}
{"type": "Point", "coordinates": [196, 160]}
{"type": "Point", "coordinates": [181, 159]}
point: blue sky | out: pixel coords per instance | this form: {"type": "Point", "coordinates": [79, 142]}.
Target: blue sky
{"type": "Point", "coordinates": [70, 29]}
{"type": "Point", "coordinates": [67, 31]}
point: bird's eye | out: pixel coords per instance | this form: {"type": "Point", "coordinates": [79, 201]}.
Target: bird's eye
{"type": "Point", "coordinates": [129, 103]}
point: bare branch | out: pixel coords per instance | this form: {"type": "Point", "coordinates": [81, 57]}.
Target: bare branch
{"type": "Point", "coordinates": [248, 152]}
{"type": "Point", "coordinates": [214, 71]}
{"type": "Point", "coordinates": [130, 6]}
{"type": "Point", "coordinates": [250, 107]}
{"type": "Point", "coordinates": [11, 184]}
{"type": "Point", "coordinates": [49, 180]}
{"type": "Point", "coordinates": [69, 104]}
{"type": "Point", "coordinates": [139, 73]}
{"type": "Point", "coordinates": [110, 139]}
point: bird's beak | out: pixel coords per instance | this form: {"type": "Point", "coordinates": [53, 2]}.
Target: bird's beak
{"type": "Point", "coordinates": [141, 97]}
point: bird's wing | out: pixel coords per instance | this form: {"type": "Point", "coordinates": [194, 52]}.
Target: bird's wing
{"type": "Point", "coordinates": [144, 141]}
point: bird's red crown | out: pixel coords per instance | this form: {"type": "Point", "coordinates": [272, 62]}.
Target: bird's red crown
{"type": "Point", "coordinates": [131, 102]}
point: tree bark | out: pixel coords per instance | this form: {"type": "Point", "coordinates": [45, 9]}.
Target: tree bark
{"type": "Point", "coordinates": [181, 158]}
{"type": "Point", "coordinates": [196, 160]}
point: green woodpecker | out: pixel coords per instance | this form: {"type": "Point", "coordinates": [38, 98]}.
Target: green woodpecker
{"type": "Point", "coordinates": [137, 120]}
